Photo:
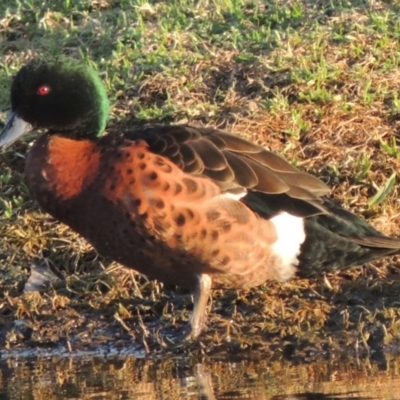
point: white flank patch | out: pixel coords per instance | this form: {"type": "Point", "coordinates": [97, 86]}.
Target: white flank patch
{"type": "Point", "coordinates": [290, 232]}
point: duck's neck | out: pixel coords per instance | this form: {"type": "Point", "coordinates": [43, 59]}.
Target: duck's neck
{"type": "Point", "coordinates": [90, 129]}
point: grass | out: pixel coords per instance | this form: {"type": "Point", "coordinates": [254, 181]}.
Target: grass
{"type": "Point", "coordinates": [318, 83]}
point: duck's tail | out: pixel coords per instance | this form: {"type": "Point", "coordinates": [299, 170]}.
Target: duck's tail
{"type": "Point", "coordinates": [336, 239]}
{"type": "Point", "coordinates": [340, 240]}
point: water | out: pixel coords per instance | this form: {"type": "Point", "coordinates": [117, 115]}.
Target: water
{"type": "Point", "coordinates": [129, 377]}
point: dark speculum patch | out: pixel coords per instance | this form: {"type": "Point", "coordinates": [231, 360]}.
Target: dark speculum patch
{"type": "Point", "coordinates": [178, 188]}
{"type": "Point", "coordinates": [190, 184]}
{"type": "Point", "coordinates": [180, 219]}
{"type": "Point", "coordinates": [213, 215]}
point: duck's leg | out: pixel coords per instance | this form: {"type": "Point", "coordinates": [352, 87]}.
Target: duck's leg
{"type": "Point", "coordinates": [202, 292]}
{"type": "Point", "coordinates": [197, 321]}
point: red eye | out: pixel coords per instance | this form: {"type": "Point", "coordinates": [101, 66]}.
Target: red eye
{"type": "Point", "coordinates": [43, 90]}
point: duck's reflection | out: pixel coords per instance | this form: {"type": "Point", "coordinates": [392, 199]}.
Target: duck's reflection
{"type": "Point", "coordinates": [55, 377]}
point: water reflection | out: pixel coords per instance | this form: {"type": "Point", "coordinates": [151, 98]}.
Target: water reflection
{"type": "Point", "coordinates": [132, 378]}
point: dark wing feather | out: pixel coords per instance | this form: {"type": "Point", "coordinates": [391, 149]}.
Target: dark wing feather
{"type": "Point", "coordinates": [192, 163]}
{"type": "Point", "coordinates": [232, 142]}
{"type": "Point", "coordinates": [272, 161]}
{"type": "Point", "coordinates": [378, 242]}
{"type": "Point", "coordinates": [244, 174]}
{"type": "Point", "coordinates": [188, 154]}
{"type": "Point", "coordinates": [307, 182]}
{"type": "Point", "coordinates": [232, 162]}
{"type": "Point", "coordinates": [225, 175]}
{"type": "Point", "coordinates": [268, 181]}
{"type": "Point", "coordinates": [216, 140]}
{"type": "Point", "coordinates": [303, 194]}
{"type": "Point", "coordinates": [212, 157]}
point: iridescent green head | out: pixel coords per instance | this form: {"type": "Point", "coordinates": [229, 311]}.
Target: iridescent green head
{"type": "Point", "coordinates": [60, 95]}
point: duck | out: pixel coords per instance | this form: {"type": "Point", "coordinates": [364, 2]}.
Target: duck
{"type": "Point", "coordinates": [195, 207]}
